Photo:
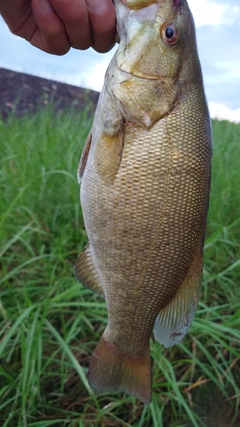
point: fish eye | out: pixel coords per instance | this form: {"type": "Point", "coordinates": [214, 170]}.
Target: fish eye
{"type": "Point", "coordinates": [170, 34]}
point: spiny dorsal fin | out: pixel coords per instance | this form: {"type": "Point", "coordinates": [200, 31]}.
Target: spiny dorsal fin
{"type": "Point", "coordinates": [86, 272]}
{"type": "Point", "coordinates": [174, 320]}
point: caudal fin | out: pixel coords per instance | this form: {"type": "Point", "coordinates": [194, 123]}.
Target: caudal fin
{"type": "Point", "coordinates": [112, 370]}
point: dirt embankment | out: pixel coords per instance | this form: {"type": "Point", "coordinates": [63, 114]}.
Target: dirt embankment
{"type": "Point", "coordinates": [22, 93]}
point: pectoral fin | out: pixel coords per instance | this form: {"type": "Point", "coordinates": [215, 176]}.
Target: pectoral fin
{"type": "Point", "coordinates": [84, 157]}
{"type": "Point", "coordinates": [108, 155]}
{"type": "Point", "coordinates": [174, 320]}
{"type": "Point", "coordinates": [86, 272]}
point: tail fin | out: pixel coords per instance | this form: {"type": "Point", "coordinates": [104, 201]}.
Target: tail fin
{"type": "Point", "coordinates": [111, 370]}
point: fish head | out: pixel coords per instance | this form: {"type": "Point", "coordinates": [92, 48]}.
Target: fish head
{"type": "Point", "coordinates": [156, 60]}
{"type": "Point", "coordinates": [156, 36]}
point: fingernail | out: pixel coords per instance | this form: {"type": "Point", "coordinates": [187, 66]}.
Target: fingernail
{"type": "Point", "coordinates": [97, 6]}
{"type": "Point", "coordinates": [45, 6]}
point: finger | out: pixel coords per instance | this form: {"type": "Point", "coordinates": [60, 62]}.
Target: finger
{"type": "Point", "coordinates": [103, 22]}
{"type": "Point", "coordinates": [15, 14]}
{"type": "Point", "coordinates": [50, 34]}
{"type": "Point", "coordinates": [74, 15]}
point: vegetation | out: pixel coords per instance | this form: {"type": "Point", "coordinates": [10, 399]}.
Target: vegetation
{"type": "Point", "coordinates": [50, 324]}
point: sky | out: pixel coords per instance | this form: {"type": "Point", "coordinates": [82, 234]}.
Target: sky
{"type": "Point", "coordinates": [218, 35]}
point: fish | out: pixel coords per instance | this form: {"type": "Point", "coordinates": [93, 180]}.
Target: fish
{"type": "Point", "coordinates": [145, 174]}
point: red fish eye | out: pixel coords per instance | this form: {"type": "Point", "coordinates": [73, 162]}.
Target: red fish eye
{"type": "Point", "coordinates": [170, 34]}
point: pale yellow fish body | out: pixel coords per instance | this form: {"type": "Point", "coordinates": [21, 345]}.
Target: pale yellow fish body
{"type": "Point", "coordinates": [145, 174]}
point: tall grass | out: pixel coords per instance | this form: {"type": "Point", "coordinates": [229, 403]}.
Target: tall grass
{"type": "Point", "coordinates": [49, 324]}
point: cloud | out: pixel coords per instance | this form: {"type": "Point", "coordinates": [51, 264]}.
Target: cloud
{"type": "Point", "coordinates": [214, 13]}
{"type": "Point", "coordinates": [92, 79]}
{"type": "Point", "coordinates": [218, 111]}
{"type": "Point", "coordinates": [207, 12]}
{"type": "Point", "coordinates": [218, 47]}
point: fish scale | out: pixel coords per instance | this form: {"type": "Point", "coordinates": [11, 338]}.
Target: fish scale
{"type": "Point", "coordinates": [145, 180]}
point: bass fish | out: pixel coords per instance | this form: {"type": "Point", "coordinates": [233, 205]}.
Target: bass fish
{"type": "Point", "coordinates": [145, 182]}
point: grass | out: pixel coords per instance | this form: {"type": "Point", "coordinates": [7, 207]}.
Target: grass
{"type": "Point", "coordinates": [49, 324]}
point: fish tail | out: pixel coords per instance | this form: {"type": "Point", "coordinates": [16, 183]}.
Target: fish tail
{"type": "Point", "coordinates": [112, 370]}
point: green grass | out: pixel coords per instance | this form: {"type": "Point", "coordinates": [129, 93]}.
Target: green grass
{"type": "Point", "coordinates": [49, 324]}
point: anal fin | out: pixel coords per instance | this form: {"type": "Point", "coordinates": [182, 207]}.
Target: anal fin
{"type": "Point", "coordinates": [174, 320]}
{"type": "Point", "coordinates": [86, 272]}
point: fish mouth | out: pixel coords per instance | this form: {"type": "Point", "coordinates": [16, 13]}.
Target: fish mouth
{"type": "Point", "coordinates": [130, 74]}
{"type": "Point", "coordinates": [140, 4]}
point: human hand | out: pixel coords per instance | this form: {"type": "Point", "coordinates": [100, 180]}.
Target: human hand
{"type": "Point", "coordinates": [55, 26]}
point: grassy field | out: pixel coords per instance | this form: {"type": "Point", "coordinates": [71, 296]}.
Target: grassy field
{"type": "Point", "coordinates": [49, 324]}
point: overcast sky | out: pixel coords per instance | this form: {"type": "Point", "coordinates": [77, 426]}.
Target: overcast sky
{"type": "Point", "coordinates": [218, 34]}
